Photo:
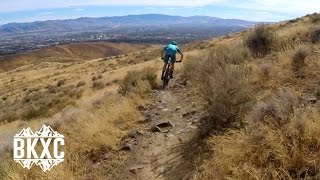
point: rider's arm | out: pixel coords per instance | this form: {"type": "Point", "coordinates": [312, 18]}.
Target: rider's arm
{"type": "Point", "coordinates": [181, 54]}
{"type": "Point", "coordinates": [162, 53]}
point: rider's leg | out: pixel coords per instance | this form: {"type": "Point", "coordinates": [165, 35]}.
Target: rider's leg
{"type": "Point", "coordinates": [164, 69]}
{"type": "Point", "coordinates": [173, 60]}
{"type": "Point", "coordinates": [172, 69]}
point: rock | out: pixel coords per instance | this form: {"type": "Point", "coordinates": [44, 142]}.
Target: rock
{"type": "Point", "coordinates": [300, 75]}
{"type": "Point", "coordinates": [155, 129]}
{"type": "Point", "coordinates": [133, 170]}
{"type": "Point", "coordinates": [186, 114]}
{"type": "Point", "coordinates": [147, 116]}
{"type": "Point", "coordinates": [127, 147]}
{"type": "Point", "coordinates": [312, 100]}
{"type": "Point", "coordinates": [193, 127]}
{"type": "Point", "coordinates": [134, 133]}
{"type": "Point", "coordinates": [166, 110]}
{"type": "Point", "coordinates": [181, 131]}
{"type": "Point", "coordinates": [162, 126]}
{"type": "Point", "coordinates": [141, 108]}
{"type": "Point", "coordinates": [178, 108]}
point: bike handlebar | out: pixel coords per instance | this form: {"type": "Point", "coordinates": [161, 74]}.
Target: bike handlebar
{"type": "Point", "coordinates": [176, 61]}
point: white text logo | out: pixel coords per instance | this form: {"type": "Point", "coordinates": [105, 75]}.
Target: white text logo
{"type": "Point", "coordinates": [40, 148]}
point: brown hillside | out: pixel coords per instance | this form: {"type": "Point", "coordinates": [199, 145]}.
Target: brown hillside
{"type": "Point", "coordinates": [68, 53]}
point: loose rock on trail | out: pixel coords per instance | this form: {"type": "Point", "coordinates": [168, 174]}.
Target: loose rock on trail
{"type": "Point", "coordinates": [161, 152]}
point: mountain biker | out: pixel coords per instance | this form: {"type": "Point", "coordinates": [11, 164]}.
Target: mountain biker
{"type": "Point", "coordinates": [169, 52]}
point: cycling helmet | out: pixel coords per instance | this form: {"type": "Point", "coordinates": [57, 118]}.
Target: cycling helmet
{"type": "Point", "coordinates": [174, 43]}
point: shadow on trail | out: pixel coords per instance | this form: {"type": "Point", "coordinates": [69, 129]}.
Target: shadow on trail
{"type": "Point", "coordinates": [184, 160]}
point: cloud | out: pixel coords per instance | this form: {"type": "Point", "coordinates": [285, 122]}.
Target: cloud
{"type": "Point", "coordinates": [17, 5]}
{"type": "Point", "coordinates": [281, 6]}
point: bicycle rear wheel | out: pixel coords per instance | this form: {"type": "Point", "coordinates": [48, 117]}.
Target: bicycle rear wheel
{"type": "Point", "coordinates": [166, 78]}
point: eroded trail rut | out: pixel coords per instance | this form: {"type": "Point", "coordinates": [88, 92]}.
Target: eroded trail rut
{"type": "Point", "coordinates": [164, 155]}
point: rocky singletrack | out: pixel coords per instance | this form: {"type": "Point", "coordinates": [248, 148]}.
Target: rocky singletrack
{"type": "Point", "coordinates": [163, 147]}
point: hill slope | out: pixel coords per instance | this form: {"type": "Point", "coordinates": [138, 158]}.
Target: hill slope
{"type": "Point", "coordinates": [69, 53]}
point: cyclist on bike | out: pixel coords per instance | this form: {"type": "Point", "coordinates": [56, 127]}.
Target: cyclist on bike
{"type": "Point", "coordinates": [169, 52]}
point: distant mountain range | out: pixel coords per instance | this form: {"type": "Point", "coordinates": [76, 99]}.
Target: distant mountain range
{"type": "Point", "coordinates": [113, 23]}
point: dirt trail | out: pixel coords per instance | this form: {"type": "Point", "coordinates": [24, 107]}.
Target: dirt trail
{"type": "Point", "coordinates": [164, 155]}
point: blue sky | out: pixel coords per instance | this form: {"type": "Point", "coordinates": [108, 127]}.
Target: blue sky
{"type": "Point", "coordinates": [255, 10]}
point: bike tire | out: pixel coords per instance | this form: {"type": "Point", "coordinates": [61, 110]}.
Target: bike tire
{"type": "Point", "coordinates": [166, 78]}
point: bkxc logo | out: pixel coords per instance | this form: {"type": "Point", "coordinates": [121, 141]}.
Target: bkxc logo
{"type": "Point", "coordinates": [26, 144]}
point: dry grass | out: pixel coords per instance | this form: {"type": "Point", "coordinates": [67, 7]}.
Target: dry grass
{"type": "Point", "coordinates": [138, 82]}
{"type": "Point", "coordinates": [282, 142]}
{"type": "Point", "coordinates": [280, 138]}
{"type": "Point", "coordinates": [90, 134]}
{"type": "Point", "coordinates": [39, 102]}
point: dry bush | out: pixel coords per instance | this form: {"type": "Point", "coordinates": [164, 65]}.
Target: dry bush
{"type": "Point", "coordinates": [265, 70]}
{"type": "Point", "coordinates": [232, 54]}
{"type": "Point", "coordinates": [61, 83]}
{"type": "Point", "coordinates": [94, 78]}
{"type": "Point", "coordinates": [315, 34]}
{"type": "Point", "coordinates": [223, 84]}
{"type": "Point", "coordinates": [294, 20]}
{"type": "Point", "coordinates": [98, 85]}
{"type": "Point", "coordinates": [140, 82]}
{"type": "Point", "coordinates": [81, 83]}
{"type": "Point", "coordinates": [190, 67]}
{"type": "Point", "coordinates": [260, 40]}
{"type": "Point", "coordinates": [284, 145]}
{"type": "Point", "coordinates": [298, 58]}
{"type": "Point", "coordinates": [314, 18]}
{"type": "Point", "coordinates": [93, 135]}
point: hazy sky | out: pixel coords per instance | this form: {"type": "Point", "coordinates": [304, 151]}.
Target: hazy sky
{"type": "Point", "coordinates": [256, 10]}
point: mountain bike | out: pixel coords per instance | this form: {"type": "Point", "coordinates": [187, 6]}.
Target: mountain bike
{"type": "Point", "coordinates": [167, 75]}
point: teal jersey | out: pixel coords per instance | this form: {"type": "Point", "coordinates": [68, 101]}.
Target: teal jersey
{"type": "Point", "coordinates": [172, 49]}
